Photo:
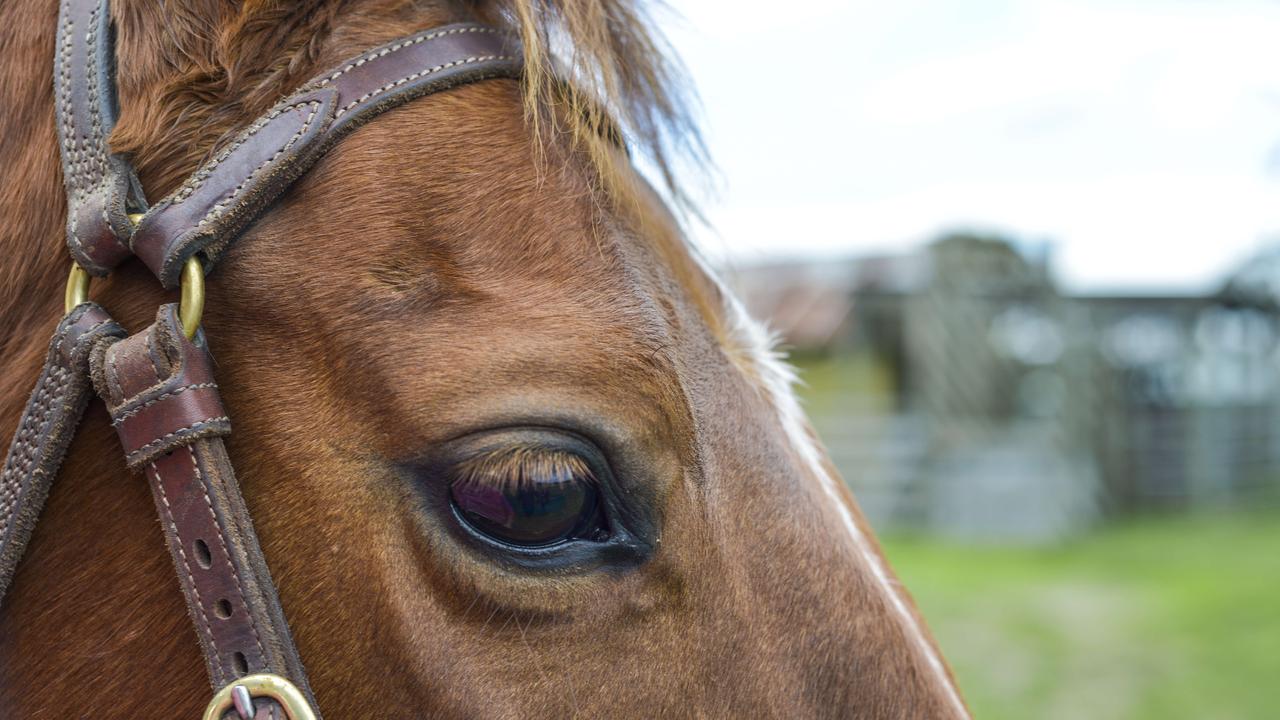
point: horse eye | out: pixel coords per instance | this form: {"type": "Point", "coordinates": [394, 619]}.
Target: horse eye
{"type": "Point", "coordinates": [529, 500]}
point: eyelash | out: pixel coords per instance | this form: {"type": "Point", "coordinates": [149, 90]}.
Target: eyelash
{"type": "Point", "coordinates": [537, 498]}
{"type": "Point", "coordinates": [529, 498]}
{"type": "Point", "coordinates": [512, 469]}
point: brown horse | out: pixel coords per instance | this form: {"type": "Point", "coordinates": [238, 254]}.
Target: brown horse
{"type": "Point", "coordinates": [473, 294]}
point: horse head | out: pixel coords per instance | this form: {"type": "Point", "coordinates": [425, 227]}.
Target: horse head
{"type": "Point", "coordinates": [510, 447]}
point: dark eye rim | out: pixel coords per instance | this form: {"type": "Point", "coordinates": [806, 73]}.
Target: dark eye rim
{"type": "Point", "coordinates": [629, 541]}
{"type": "Point", "coordinates": [576, 536]}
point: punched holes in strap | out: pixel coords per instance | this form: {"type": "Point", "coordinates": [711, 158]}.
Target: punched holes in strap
{"type": "Point", "coordinates": [159, 389]}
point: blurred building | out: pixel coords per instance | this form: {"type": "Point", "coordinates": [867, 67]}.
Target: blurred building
{"type": "Point", "coordinates": [1005, 409]}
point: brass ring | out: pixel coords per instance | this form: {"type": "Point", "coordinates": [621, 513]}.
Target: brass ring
{"type": "Point", "coordinates": [191, 305]}
{"type": "Point", "coordinates": [262, 685]}
{"type": "Point", "coordinates": [77, 287]}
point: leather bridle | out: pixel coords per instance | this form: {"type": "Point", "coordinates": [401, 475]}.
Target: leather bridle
{"type": "Point", "coordinates": [158, 384]}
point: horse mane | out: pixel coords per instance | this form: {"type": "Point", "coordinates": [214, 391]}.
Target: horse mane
{"type": "Point", "coordinates": [591, 66]}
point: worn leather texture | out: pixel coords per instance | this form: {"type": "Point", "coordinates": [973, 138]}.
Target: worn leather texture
{"type": "Point", "coordinates": [180, 404]}
{"type": "Point", "coordinates": [205, 214]}
{"type": "Point", "coordinates": [163, 381]}
{"type": "Point", "coordinates": [159, 385]}
{"type": "Point", "coordinates": [46, 428]}
{"type": "Point", "coordinates": [99, 184]}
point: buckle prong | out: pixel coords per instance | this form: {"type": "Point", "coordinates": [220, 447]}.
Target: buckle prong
{"type": "Point", "coordinates": [239, 695]}
{"type": "Point", "coordinates": [243, 702]}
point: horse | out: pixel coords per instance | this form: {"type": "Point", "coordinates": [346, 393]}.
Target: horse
{"type": "Point", "coordinates": [473, 295]}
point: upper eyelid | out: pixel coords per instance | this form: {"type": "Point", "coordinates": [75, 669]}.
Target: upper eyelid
{"type": "Point", "coordinates": [630, 521]}
{"type": "Point", "coordinates": [517, 465]}
{"type": "Point", "coordinates": [527, 444]}
{"type": "Point", "coordinates": [447, 461]}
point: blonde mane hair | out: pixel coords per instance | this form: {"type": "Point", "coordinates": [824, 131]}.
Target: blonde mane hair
{"type": "Point", "coordinates": [626, 73]}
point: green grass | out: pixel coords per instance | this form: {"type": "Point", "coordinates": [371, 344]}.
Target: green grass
{"type": "Point", "coordinates": [829, 382]}
{"type": "Point", "coordinates": [1171, 618]}
{"type": "Point", "coordinates": [1160, 618]}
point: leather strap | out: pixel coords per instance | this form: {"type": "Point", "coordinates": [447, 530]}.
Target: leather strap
{"type": "Point", "coordinates": [209, 211]}
{"type": "Point", "coordinates": [155, 411]}
{"type": "Point", "coordinates": [46, 428]}
{"type": "Point", "coordinates": [164, 405]}
{"type": "Point", "coordinates": [99, 185]}
{"type": "Point", "coordinates": [159, 385]}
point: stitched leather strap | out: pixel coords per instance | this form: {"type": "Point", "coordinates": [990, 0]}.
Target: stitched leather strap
{"type": "Point", "coordinates": [209, 211]}
{"type": "Point", "coordinates": [159, 389]}
{"type": "Point", "coordinates": [179, 405]}
{"type": "Point", "coordinates": [98, 184]}
{"type": "Point", "coordinates": [46, 428]}
{"type": "Point", "coordinates": [158, 385]}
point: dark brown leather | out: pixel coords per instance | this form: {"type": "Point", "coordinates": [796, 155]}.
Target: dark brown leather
{"type": "Point", "coordinates": [159, 385]}
{"type": "Point", "coordinates": [45, 429]}
{"type": "Point", "coordinates": [209, 211]}
{"type": "Point", "coordinates": [228, 588]}
{"type": "Point", "coordinates": [99, 185]}
{"type": "Point", "coordinates": [225, 195]}
{"type": "Point", "coordinates": [182, 404]}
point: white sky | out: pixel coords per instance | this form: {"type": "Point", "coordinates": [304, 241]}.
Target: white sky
{"type": "Point", "coordinates": [1140, 138]}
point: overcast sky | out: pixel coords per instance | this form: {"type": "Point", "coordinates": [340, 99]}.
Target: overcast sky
{"type": "Point", "coordinates": [1141, 138]}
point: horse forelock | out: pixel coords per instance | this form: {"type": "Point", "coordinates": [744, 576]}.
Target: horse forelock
{"type": "Point", "coordinates": [590, 68]}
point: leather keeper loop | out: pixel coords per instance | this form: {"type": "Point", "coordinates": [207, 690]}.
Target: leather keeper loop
{"type": "Point", "coordinates": [90, 238]}
{"type": "Point", "coordinates": [83, 331]}
{"type": "Point", "coordinates": [159, 388]}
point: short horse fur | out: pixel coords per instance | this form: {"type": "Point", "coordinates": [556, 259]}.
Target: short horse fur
{"type": "Point", "coordinates": [483, 258]}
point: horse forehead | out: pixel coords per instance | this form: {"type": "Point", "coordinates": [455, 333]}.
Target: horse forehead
{"type": "Point", "coordinates": [452, 182]}
{"type": "Point", "coordinates": [448, 200]}
{"type": "Point", "coordinates": [435, 230]}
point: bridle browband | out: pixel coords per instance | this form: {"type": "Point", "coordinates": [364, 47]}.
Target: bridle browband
{"type": "Point", "coordinates": [158, 384]}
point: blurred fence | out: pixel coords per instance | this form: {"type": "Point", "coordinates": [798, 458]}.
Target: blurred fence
{"type": "Point", "coordinates": [959, 391]}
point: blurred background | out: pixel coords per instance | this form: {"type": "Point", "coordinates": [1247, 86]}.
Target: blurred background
{"type": "Point", "coordinates": [1026, 256]}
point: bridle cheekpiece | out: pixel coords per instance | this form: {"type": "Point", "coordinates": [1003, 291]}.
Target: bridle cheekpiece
{"type": "Point", "coordinates": [158, 384]}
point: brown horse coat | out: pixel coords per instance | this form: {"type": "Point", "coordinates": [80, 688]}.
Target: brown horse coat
{"type": "Point", "coordinates": [447, 272]}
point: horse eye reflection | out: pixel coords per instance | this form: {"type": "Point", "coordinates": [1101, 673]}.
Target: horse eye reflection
{"type": "Point", "coordinates": [528, 498]}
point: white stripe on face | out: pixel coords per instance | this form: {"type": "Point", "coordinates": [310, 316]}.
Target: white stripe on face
{"type": "Point", "coordinates": [778, 379]}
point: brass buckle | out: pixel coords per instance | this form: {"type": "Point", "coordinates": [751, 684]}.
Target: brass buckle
{"type": "Point", "coordinates": [263, 685]}
{"type": "Point", "coordinates": [190, 306]}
